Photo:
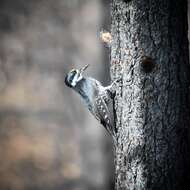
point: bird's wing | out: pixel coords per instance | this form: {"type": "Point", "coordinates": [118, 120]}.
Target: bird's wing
{"type": "Point", "coordinates": [104, 114]}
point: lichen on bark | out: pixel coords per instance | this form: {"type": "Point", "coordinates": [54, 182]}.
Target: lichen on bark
{"type": "Point", "coordinates": [152, 109]}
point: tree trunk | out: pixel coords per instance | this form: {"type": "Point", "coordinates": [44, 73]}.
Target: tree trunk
{"type": "Point", "coordinates": [149, 55]}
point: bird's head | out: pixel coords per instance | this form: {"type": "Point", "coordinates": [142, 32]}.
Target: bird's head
{"type": "Point", "coordinates": [74, 76]}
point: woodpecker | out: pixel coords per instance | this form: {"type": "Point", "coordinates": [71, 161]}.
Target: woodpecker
{"type": "Point", "coordinates": [98, 99]}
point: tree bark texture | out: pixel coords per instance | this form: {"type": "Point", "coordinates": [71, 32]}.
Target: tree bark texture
{"type": "Point", "coordinates": [149, 55]}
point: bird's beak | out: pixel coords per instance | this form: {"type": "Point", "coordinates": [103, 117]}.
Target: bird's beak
{"type": "Point", "coordinates": [84, 68]}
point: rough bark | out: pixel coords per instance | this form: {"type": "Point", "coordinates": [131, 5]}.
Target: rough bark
{"type": "Point", "coordinates": [149, 55]}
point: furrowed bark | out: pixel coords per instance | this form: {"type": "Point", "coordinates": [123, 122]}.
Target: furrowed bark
{"type": "Point", "coordinates": [149, 55]}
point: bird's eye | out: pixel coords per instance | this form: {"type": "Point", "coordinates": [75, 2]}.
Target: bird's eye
{"type": "Point", "coordinates": [72, 76]}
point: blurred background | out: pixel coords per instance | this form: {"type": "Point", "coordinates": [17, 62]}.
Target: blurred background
{"type": "Point", "coordinates": [48, 139]}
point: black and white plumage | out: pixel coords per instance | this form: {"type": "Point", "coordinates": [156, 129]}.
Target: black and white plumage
{"type": "Point", "coordinates": [97, 97]}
